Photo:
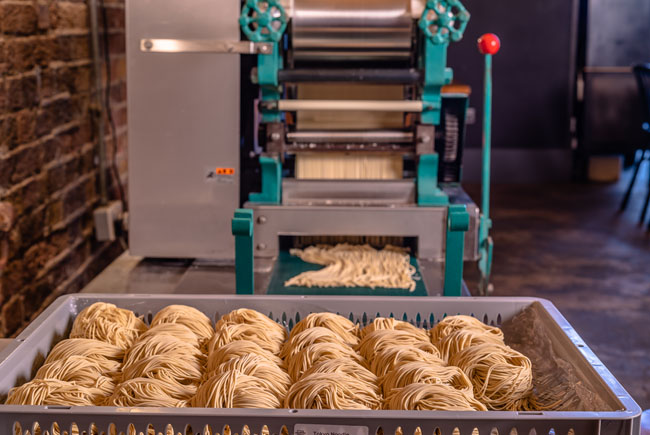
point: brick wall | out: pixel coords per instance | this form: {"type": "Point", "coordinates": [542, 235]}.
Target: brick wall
{"type": "Point", "coordinates": [48, 165]}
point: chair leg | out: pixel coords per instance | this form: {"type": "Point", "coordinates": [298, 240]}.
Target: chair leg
{"type": "Point", "coordinates": [647, 199]}
{"type": "Point", "coordinates": [628, 192]}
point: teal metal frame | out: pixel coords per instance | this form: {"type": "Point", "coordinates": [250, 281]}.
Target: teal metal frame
{"type": "Point", "coordinates": [442, 21]}
{"type": "Point", "coordinates": [271, 193]}
{"type": "Point", "coordinates": [429, 194]}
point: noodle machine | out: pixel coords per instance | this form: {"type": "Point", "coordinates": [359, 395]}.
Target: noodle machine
{"type": "Point", "coordinates": [293, 122]}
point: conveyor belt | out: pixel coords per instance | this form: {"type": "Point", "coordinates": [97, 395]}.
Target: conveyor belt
{"type": "Point", "coordinates": [288, 266]}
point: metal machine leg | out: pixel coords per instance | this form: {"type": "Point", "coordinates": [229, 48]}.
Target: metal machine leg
{"type": "Point", "coordinates": [242, 229]}
{"type": "Point", "coordinates": [457, 225]}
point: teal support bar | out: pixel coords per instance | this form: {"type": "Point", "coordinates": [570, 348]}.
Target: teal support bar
{"type": "Point", "coordinates": [457, 225]}
{"type": "Point", "coordinates": [268, 66]}
{"type": "Point", "coordinates": [429, 194]}
{"type": "Point", "coordinates": [271, 182]}
{"type": "Point", "coordinates": [242, 229]}
{"type": "Point", "coordinates": [489, 45]}
{"type": "Point", "coordinates": [436, 75]}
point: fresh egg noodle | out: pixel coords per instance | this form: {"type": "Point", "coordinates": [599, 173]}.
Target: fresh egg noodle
{"type": "Point", "coordinates": [251, 317]}
{"type": "Point", "coordinates": [162, 345]}
{"type": "Point", "coordinates": [108, 323]}
{"type": "Point", "coordinates": [92, 349]}
{"type": "Point", "coordinates": [344, 328]}
{"type": "Point", "coordinates": [176, 330]}
{"type": "Point", "coordinates": [233, 389]}
{"type": "Point", "coordinates": [355, 266]}
{"type": "Point", "coordinates": [306, 338]}
{"type": "Point", "coordinates": [454, 323]}
{"type": "Point", "coordinates": [53, 392]}
{"type": "Point", "coordinates": [249, 361]}
{"type": "Point", "coordinates": [420, 372]}
{"type": "Point", "coordinates": [268, 340]}
{"type": "Point", "coordinates": [275, 379]}
{"type": "Point", "coordinates": [346, 366]}
{"type": "Point", "coordinates": [502, 377]}
{"type": "Point", "coordinates": [431, 397]}
{"type": "Point", "coordinates": [318, 352]}
{"type": "Point", "coordinates": [144, 392]}
{"type": "Point", "coordinates": [386, 360]}
{"type": "Point", "coordinates": [462, 339]}
{"type": "Point", "coordinates": [190, 317]}
{"type": "Point", "coordinates": [332, 391]}
{"type": "Point", "coordinates": [81, 371]}
{"type": "Point", "coordinates": [237, 349]}
{"type": "Point", "coordinates": [166, 368]}
{"type": "Point", "coordinates": [244, 369]}
{"type": "Point", "coordinates": [390, 323]}
{"type": "Point", "coordinates": [376, 341]}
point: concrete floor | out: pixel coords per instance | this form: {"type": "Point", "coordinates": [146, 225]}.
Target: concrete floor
{"type": "Point", "coordinates": [568, 244]}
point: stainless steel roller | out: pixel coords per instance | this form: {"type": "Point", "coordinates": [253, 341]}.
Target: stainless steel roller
{"type": "Point", "coordinates": [351, 30]}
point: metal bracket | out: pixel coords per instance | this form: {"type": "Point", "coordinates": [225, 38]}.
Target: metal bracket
{"type": "Point", "coordinates": [457, 225]}
{"type": "Point", "coordinates": [204, 46]}
{"type": "Point", "coordinates": [424, 139]}
{"type": "Point", "coordinates": [242, 229]}
{"type": "Point", "coordinates": [275, 139]}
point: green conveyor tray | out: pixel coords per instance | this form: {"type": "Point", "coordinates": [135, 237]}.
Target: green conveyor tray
{"type": "Point", "coordinates": [288, 266]}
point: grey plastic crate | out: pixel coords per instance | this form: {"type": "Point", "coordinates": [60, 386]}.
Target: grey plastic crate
{"type": "Point", "coordinates": [26, 353]}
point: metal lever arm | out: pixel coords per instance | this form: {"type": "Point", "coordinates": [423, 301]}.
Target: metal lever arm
{"type": "Point", "coordinates": [488, 45]}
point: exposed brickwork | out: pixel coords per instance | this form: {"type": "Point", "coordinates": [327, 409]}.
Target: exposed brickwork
{"type": "Point", "coordinates": [48, 161]}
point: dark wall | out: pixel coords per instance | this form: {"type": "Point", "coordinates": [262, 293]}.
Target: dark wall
{"type": "Point", "coordinates": [533, 72]}
{"type": "Point", "coordinates": [618, 32]}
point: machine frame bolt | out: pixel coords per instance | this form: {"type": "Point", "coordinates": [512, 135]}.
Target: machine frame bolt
{"type": "Point", "coordinates": [261, 246]}
{"type": "Point", "coordinates": [275, 136]}
{"type": "Point", "coordinates": [261, 220]}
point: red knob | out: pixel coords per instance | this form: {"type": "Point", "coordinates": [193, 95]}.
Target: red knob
{"type": "Point", "coordinates": [489, 44]}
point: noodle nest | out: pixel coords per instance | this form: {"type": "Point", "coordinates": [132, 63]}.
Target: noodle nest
{"type": "Point", "coordinates": [108, 323]}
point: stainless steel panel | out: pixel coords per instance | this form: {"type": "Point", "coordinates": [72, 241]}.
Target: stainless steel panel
{"type": "Point", "coordinates": [351, 29]}
{"type": "Point", "coordinates": [348, 192]}
{"type": "Point", "coordinates": [428, 224]}
{"type": "Point", "coordinates": [183, 111]}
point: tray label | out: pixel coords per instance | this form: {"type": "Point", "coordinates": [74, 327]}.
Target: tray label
{"type": "Point", "coordinates": [328, 429]}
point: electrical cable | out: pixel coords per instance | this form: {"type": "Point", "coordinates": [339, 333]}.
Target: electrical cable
{"type": "Point", "coordinates": [107, 103]}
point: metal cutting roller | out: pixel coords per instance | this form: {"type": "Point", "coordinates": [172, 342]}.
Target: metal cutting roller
{"type": "Point", "coordinates": [358, 138]}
